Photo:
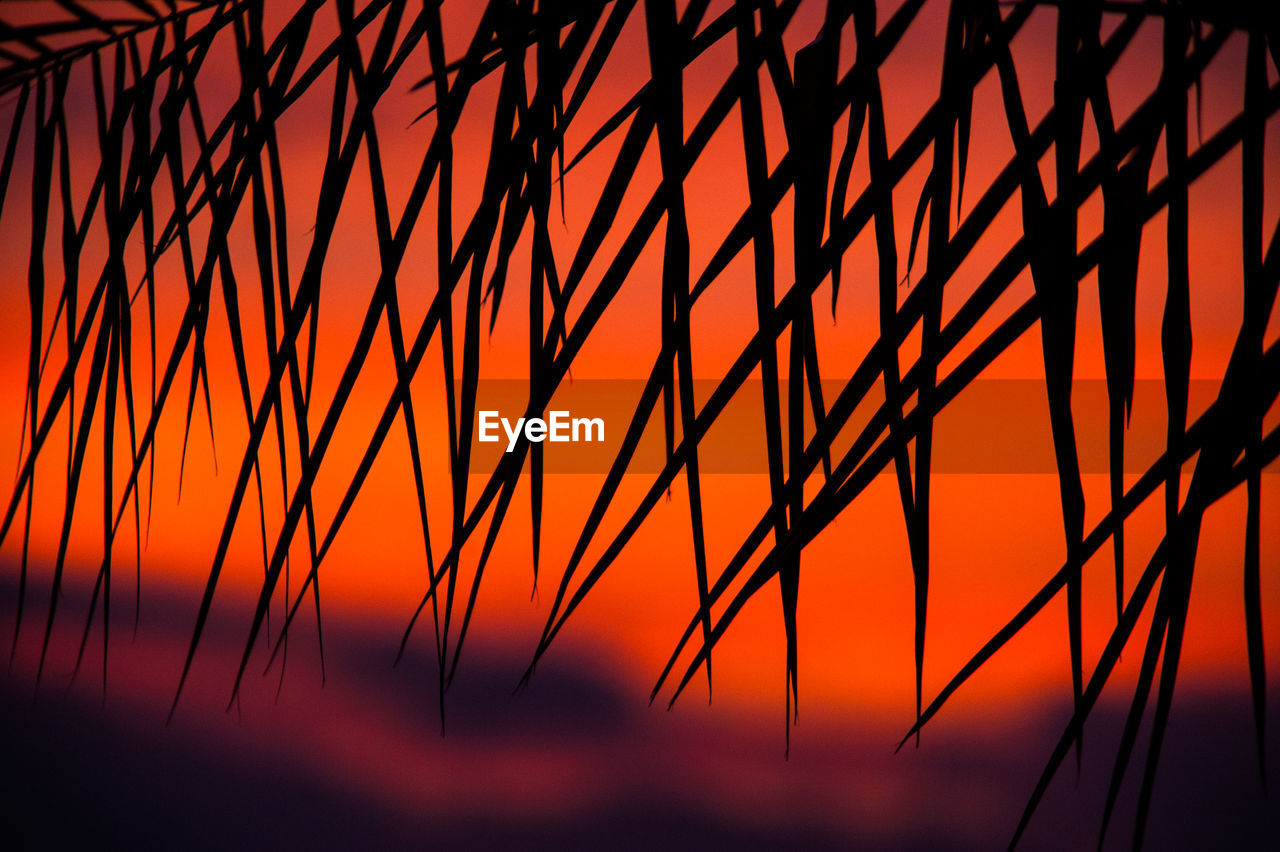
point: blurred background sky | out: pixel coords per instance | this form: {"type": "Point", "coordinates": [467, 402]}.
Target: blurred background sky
{"type": "Point", "coordinates": [579, 756]}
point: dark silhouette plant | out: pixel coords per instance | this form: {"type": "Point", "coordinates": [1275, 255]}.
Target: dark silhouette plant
{"type": "Point", "coordinates": [172, 175]}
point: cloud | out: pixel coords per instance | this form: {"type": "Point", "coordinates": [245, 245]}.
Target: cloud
{"type": "Point", "coordinates": [577, 759]}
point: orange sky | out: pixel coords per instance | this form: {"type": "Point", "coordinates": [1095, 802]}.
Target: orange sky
{"type": "Point", "coordinates": [996, 537]}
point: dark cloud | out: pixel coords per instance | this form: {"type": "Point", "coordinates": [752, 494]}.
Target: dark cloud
{"type": "Point", "coordinates": [575, 760]}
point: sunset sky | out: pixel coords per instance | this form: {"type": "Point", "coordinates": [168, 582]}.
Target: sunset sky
{"type": "Point", "coordinates": [580, 746]}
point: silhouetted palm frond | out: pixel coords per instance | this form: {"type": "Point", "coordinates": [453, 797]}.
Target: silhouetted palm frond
{"type": "Point", "coordinates": [184, 104]}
